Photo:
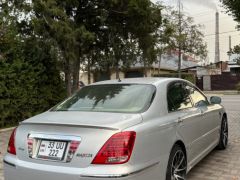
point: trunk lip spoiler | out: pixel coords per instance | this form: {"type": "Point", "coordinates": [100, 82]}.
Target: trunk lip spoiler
{"type": "Point", "coordinates": [71, 125]}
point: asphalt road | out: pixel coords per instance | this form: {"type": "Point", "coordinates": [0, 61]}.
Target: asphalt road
{"type": "Point", "coordinates": [231, 102]}
{"type": "Point", "coordinates": [218, 165]}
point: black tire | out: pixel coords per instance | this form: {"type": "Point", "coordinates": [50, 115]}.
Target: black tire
{"type": "Point", "coordinates": [177, 164]}
{"type": "Point", "coordinates": [223, 141]}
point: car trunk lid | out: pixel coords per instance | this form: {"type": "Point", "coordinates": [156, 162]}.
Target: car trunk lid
{"type": "Point", "coordinates": [90, 130]}
{"type": "Point", "coordinates": [87, 119]}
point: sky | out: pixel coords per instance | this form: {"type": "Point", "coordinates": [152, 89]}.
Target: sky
{"type": "Point", "coordinates": [203, 12]}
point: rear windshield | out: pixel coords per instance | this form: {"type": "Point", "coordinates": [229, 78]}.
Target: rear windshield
{"type": "Point", "coordinates": [128, 98]}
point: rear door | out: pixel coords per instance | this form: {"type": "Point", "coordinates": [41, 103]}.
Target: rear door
{"type": "Point", "coordinates": [189, 118]}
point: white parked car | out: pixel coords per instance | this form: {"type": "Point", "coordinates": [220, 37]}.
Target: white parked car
{"type": "Point", "coordinates": [133, 129]}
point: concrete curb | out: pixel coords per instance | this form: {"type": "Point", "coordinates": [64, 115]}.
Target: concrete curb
{"type": "Point", "coordinates": [6, 129]}
{"type": "Point", "coordinates": [222, 92]}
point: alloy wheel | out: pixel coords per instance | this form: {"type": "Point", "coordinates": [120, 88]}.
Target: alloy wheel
{"type": "Point", "coordinates": [179, 166]}
{"type": "Point", "coordinates": [225, 133]}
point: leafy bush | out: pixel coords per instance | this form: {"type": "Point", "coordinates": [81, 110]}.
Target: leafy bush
{"type": "Point", "coordinates": [30, 83]}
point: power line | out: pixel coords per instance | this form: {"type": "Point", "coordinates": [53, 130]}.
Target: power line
{"type": "Point", "coordinates": [224, 18]}
{"type": "Point", "coordinates": [214, 52]}
{"type": "Point", "coordinates": [205, 14]}
{"type": "Point", "coordinates": [221, 33]}
{"type": "Point", "coordinates": [224, 36]}
{"type": "Point", "coordinates": [200, 14]}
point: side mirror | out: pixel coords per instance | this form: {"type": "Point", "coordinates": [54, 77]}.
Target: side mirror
{"type": "Point", "coordinates": [201, 104]}
{"type": "Point", "coordinates": [215, 100]}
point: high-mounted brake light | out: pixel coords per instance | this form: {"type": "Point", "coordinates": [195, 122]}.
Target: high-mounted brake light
{"type": "Point", "coordinates": [11, 144]}
{"type": "Point", "coordinates": [117, 150]}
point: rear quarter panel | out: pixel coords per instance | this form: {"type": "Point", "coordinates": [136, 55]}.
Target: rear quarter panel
{"type": "Point", "coordinates": [156, 135]}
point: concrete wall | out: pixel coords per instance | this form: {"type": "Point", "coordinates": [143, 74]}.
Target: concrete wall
{"type": "Point", "coordinates": [225, 81]}
{"type": "Point", "coordinates": [113, 75]}
{"type": "Point", "coordinates": [83, 76]}
{"type": "Point", "coordinates": [150, 73]}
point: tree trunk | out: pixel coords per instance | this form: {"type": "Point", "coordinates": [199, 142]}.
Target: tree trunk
{"type": "Point", "coordinates": [144, 67]}
{"type": "Point", "coordinates": [117, 69]}
{"type": "Point", "coordinates": [76, 70]}
{"type": "Point", "coordinates": [159, 64]}
{"type": "Point", "coordinates": [67, 73]}
{"type": "Point", "coordinates": [179, 63]}
{"type": "Point", "coordinates": [89, 71]}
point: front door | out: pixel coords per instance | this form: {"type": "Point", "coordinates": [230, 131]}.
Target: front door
{"type": "Point", "coordinates": [210, 118]}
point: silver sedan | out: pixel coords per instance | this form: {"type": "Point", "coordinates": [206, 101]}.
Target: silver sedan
{"type": "Point", "coordinates": [130, 129]}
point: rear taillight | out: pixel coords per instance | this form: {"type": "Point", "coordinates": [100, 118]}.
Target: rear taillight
{"type": "Point", "coordinates": [11, 144]}
{"type": "Point", "coordinates": [117, 150]}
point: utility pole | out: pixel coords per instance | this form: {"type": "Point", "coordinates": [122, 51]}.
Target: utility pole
{"type": "Point", "coordinates": [217, 48]}
{"type": "Point", "coordinates": [230, 48]}
{"type": "Point", "coordinates": [179, 41]}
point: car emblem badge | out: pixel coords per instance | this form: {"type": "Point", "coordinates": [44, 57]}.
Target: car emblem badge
{"type": "Point", "coordinates": [84, 155]}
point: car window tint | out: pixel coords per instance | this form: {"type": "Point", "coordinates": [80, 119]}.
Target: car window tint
{"type": "Point", "coordinates": [198, 98]}
{"type": "Point", "coordinates": [178, 97]}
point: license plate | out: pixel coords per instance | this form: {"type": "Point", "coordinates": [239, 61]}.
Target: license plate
{"type": "Point", "coordinates": [53, 150]}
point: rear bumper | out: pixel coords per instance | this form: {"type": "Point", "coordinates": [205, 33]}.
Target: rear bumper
{"type": "Point", "coordinates": [21, 170]}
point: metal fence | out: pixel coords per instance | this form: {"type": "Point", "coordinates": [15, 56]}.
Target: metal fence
{"type": "Point", "coordinates": [225, 81]}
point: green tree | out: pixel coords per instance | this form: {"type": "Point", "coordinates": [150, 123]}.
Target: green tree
{"type": "Point", "coordinates": [126, 33]}
{"type": "Point", "coordinates": [77, 28]}
{"type": "Point", "coordinates": [186, 36]}
{"type": "Point", "coordinates": [236, 50]}
{"type": "Point", "coordinates": [164, 35]}
{"type": "Point", "coordinates": [127, 27]}
{"type": "Point", "coordinates": [60, 21]}
{"type": "Point", "coordinates": [233, 8]}
{"type": "Point", "coordinates": [145, 32]}
{"type": "Point", "coordinates": [30, 81]}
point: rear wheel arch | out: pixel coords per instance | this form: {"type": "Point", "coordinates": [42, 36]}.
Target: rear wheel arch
{"type": "Point", "coordinates": [182, 145]}
{"type": "Point", "coordinates": [225, 115]}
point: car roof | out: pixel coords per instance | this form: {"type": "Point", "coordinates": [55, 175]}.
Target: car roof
{"type": "Point", "coordinates": [147, 80]}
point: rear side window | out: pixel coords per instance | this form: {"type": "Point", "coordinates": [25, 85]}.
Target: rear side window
{"type": "Point", "coordinates": [178, 97]}
{"type": "Point", "coordinates": [197, 97]}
